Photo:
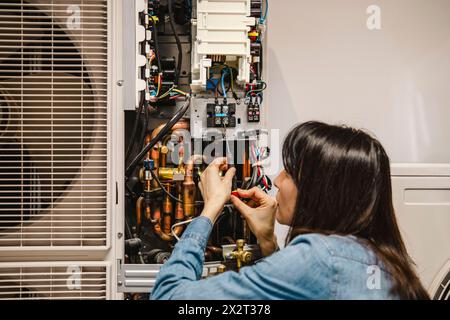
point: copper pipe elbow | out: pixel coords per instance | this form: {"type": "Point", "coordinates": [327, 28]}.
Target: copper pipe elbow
{"type": "Point", "coordinates": [139, 203]}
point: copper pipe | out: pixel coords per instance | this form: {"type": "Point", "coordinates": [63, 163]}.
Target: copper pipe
{"type": "Point", "coordinates": [181, 153]}
{"type": "Point", "coordinates": [189, 191]}
{"type": "Point", "coordinates": [179, 214]}
{"type": "Point", "coordinates": [148, 214]}
{"type": "Point", "coordinates": [167, 211]}
{"type": "Point", "coordinates": [215, 250]}
{"type": "Point", "coordinates": [182, 124]}
{"type": "Point", "coordinates": [139, 203]}
{"type": "Point", "coordinates": [167, 224]}
{"type": "Point", "coordinates": [228, 239]}
{"type": "Point", "coordinates": [157, 226]}
{"type": "Point", "coordinates": [155, 152]}
{"type": "Point", "coordinates": [155, 155]}
{"type": "Point", "coordinates": [246, 171]}
{"type": "Point", "coordinates": [155, 213]}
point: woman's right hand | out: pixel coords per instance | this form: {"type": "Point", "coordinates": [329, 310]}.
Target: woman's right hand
{"type": "Point", "coordinates": [259, 213]}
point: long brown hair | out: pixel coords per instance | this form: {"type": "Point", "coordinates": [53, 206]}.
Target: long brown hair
{"type": "Point", "coordinates": [344, 187]}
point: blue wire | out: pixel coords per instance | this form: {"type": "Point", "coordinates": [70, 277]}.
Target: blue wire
{"type": "Point", "coordinates": [223, 83]}
{"type": "Point", "coordinates": [260, 95]}
{"type": "Point", "coordinates": [262, 20]}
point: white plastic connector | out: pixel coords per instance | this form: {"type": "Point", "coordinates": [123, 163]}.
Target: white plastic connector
{"type": "Point", "coordinates": [141, 60]}
{"type": "Point", "coordinates": [221, 28]}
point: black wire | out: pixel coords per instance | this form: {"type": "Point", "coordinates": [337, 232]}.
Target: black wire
{"type": "Point", "coordinates": [136, 125]}
{"type": "Point", "coordinates": [156, 43]}
{"type": "Point", "coordinates": [269, 182]}
{"type": "Point", "coordinates": [168, 193]}
{"type": "Point", "coordinates": [158, 138]}
{"type": "Point", "coordinates": [131, 193]}
{"type": "Point", "coordinates": [144, 127]}
{"type": "Point", "coordinates": [129, 234]}
{"type": "Point", "coordinates": [164, 189]}
{"type": "Point", "coordinates": [177, 39]}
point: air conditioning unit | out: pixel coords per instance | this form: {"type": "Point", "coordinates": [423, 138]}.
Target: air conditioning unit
{"type": "Point", "coordinates": [55, 80]}
{"type": "Point", "coordinates": [75, 76]}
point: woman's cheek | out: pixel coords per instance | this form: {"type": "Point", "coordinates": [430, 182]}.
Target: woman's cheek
{"type": "Point", "coordinates": [280, 216]}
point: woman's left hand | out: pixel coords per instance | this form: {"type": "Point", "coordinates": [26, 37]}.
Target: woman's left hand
{"type": "Point", "coordinates": [216, 190]}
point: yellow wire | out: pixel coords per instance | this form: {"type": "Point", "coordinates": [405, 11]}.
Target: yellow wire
{"type": "Point", "coordinates": [166, 93]}
{"type": "Point", "coordinates": [180, 92]}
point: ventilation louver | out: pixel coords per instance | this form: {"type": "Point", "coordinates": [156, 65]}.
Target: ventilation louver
{"type": "Point", "coordinates": [53, 123]}
{"type": "Point", "coordinates": [63, 282]}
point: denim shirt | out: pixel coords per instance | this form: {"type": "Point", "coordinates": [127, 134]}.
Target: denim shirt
{"type": "Point", "coordinates": [312, 266]}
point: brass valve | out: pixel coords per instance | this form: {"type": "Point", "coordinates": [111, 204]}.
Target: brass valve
{"type": "Point", "coordinates": [221, 269]}
{"type": "Point", "coordinates": [241, 256]}
{"type": "Point", "coordinates": [174, 174]}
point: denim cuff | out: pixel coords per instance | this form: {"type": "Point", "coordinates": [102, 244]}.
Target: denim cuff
{"type": "Point", "coordinates": [199, 230]}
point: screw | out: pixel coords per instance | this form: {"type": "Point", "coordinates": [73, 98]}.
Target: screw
{"type": "Point", "coordinates": [120, 235]}
{"type": "Point", "coordinates": [120, 83]}
{"type": "Point", "coordinates": [119, 283]}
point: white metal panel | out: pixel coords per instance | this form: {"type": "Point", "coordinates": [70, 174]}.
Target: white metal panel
{"type": "Point", "coordinates": [422, 207]}
{"type": "Point", "coordinates": [54, 123]}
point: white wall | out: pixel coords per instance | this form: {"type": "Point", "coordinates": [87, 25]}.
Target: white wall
{"type": "Point", "coordinates": [324, 64]}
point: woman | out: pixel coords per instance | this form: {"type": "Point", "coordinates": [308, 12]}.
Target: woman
{"type": "Point", "coordinates": [344, 242]}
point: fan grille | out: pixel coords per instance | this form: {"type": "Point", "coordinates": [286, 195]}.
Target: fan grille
{"type": "Point", "coordinates": [53, 123]}
{"type": "Point", "coordinates": [53, 282]}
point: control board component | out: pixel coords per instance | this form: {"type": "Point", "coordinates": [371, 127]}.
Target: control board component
{"type": "Point", "coordinates": [221, 115]}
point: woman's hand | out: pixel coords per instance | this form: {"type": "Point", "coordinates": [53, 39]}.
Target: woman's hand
{"type": "Point", "coordinates": [216, 190]}
{"type": "Point", "coordinates": [260, 215]}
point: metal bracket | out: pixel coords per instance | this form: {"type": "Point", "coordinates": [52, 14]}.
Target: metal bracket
{"type": "Point", "coordinates": [141, 278]}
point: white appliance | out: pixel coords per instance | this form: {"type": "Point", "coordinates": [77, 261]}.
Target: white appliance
{"type": "Point", "coordinates": [55, 155]}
